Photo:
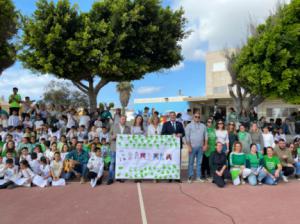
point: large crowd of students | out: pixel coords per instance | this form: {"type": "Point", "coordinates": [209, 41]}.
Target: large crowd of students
{"type": "Point", "coordinates": [48, 145]}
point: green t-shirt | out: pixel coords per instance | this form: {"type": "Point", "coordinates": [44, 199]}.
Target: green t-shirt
{"type": "Point", "coordinates": [15, 100]}
{"type": "Point", "coordinates": [271, 163]}
{"type": "Point", "coordinates": [254, 159]}
{"type": "Point", "coordinates": [237, 159]}
{"type": "Point", "coordinates": [211, 134]}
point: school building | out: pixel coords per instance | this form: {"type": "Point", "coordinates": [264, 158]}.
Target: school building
{"type": "Point", "coordinates": [217, 94]}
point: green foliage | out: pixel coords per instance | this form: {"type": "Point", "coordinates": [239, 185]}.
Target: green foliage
{"type": "Point", "coordinates": [8, 28]}
{"type": "Point", "coordinates": [60, 93]}
{"type": "Point", "coordinates": [269, 64]}
{"type": "Point", "coordinates": [117, 40]}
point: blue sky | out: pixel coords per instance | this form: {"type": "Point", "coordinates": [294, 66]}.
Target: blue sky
{"type": "Point", "coordinates": [215, 24]}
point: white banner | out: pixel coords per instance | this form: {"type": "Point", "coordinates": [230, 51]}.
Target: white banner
{"type": "Point", "coordinates": [147, 157]}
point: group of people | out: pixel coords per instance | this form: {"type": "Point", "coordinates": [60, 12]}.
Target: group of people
{"type": "Point", "coordinates": [48, 145]}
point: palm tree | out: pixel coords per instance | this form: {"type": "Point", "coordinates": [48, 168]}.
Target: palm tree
{"type": "Point", "coordinates": [124, 89]}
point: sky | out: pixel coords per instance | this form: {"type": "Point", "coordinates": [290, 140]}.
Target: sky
{"type": "Point", "coordinates": [215, 24]}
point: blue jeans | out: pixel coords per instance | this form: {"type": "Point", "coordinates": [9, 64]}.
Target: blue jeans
{"type": "Point", "coordinates": [80, 168]}
{"type": "Point", "coordinates": [111, 170]}
{"type": "Point", "coordinates": [197, 153]}
{"type": "Point", "coordinates": [270, 181]}
{"type": "Point", "coordinates": [253, 178]}
{"type": "Point", "coordinates": [297, 165]}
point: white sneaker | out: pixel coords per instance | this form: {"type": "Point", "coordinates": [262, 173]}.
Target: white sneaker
{"type": "Point", "coordinates": [190, 180]}
{"type": "Point", "coordinates": [285, 179]}
{"type": "Point", "coordinates": [243, 182]}
{"type": "Point", "coordinates": [209, 179]}
{"type": "Point", "coordinates": [199, 180]}
{"type": "Point", "coordinates": [93, 182]}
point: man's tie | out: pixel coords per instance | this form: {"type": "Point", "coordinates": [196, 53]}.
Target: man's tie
{"type": "Point", "coordinates": [174, 125]}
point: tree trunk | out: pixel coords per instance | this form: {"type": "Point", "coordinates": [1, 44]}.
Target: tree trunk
{"type": "Point", "coordinates": [91, 90]}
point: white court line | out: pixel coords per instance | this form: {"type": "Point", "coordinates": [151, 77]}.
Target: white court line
{"type": "Point", "coordinates": [142, 207]}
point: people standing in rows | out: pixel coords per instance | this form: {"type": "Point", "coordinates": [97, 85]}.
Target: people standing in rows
{"type": "Point", "coordinates": [197, 141]}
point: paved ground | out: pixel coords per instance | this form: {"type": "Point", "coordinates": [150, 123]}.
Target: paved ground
{"type": "Point", "coordinates": [156, 203]}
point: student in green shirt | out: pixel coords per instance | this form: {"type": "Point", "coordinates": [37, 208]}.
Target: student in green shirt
{"type": "Point", "coordinates": [272, 167]}
{"type": "Point", "coordinates": [255, 162]}
{"type": "Point", "coordinates": [14, 101]}
{"type": "Point", "coordinates": [237, 161]}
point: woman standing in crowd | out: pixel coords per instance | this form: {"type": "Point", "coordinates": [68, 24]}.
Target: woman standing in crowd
{"type": "Point", "coordinates": [244, 119]}
{"type": "Point", "coordinates": [219, 168]}
{"type": "Point", "coordinates": [244, 138]}
{"type": "Point", "coordinates": [237, 161]}
{"type": "Point", "coordinates": [232, 135]}
{"type": "Point", "coordinates": [256, 137]}
{"type": "Point", "coordinates": [268, 138]}
{"type": "Point", "coordinates": [255, 162]}
{"type": "Point", "coordinates": [138, 128]}
{"type": "Point", "coordinates": [211, 135]}
{"type": "Point", "coordinates": [155, 127]}
{"type": "Point", "coordinates": [222, 136]}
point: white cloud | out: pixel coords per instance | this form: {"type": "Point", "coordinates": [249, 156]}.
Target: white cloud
{"type": "Point", "coordinates": [220, 23]}
{"type": "Point", "coordinates": [28, 83]}
{"type": "Point", "coordinates": [148, 89]}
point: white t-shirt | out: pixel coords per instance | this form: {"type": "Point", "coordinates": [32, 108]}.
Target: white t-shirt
{"type": "Point", "coordinates": [84, 120]}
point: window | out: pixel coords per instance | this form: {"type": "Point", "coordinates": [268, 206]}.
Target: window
{"type": "Point", "coordinates": [220, 89]}
{"type": "Point", "coordinates": [219, 66]}
{"type": "Point", "coordinates": [280, 112]}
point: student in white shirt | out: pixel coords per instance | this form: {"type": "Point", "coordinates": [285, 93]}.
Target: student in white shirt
{"type": "Point", "coordinates": [222, 136]}
{"type": "Point", "coordinates": [27, 123]}
{"type": "Point", "coordinates": [26, 175]}
{"type": "Point", "coordinates": [49, 153]}
{"type": "Point", "coordinates": [71, 119]}
{"type": "Point", "coordinates": [44, 178]}
{"type": "Point", "coordinates": [35, 164]}
{"type": "Point", "coordinates": [56, 170]}
{"type": "Point", "coordinates": [84, 119]}
{"type": "Point", "coordinates": [25, 154]}
{"type": "Point", "coordinates": [11, 174]}
{"type": "Point", "coordinates": [38, 122]}
{"type": "Point", "coordinates": [14, 119]}
{"type": "Point", "coordinates": [95, 166]}
{"type": "Point", "coordinates": [104, 134]}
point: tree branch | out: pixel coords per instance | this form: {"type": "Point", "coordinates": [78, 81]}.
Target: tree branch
{"type": "Point", "coordinates": [81, 86]}
{"type": "Point", "coordinates": [100, 84]}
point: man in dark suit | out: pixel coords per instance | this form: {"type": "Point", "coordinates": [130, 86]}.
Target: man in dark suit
{"type": "Point", "coordinates": [173, 127]}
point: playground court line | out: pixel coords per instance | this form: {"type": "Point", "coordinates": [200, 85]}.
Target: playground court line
{"type": "Point", "coordinates": [142, 207]}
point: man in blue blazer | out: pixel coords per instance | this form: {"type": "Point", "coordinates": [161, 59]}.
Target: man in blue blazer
{"type": "Point", "coordinates": [173, 127]}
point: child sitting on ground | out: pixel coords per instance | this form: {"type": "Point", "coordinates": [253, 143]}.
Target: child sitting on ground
{"type": "Point", "coordinates": [95, 166]}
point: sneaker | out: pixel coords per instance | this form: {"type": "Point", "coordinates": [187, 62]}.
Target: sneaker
{"type": "Point", "coordinates": [190, 180]}
{"type": "Point", "coordinates": [259, 183]}
{"type": "Point", "coordinates": [199, 180]}
{"type": "Point", "coordinates": [109, 182]}
{"type": "Point", "coordinates": [209, 179]}
{"type": "Point", "coordinates": [82, 181]}
{"type": "Point", "coordinates": [93, 182]}
{"type": "Point", "coordinates": [243, 182]}
{"type": "Point", "coordinates": [285, 179]}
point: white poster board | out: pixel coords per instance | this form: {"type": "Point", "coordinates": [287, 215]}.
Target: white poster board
{"type": "Point", "coordinates": [147, 157]}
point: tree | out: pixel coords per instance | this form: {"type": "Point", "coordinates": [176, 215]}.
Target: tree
{"type": "Point", "coordinates": [117, 40]}
{"type": "Point", "coordinates": [124, 89]}
{"type": "Point", "coordinates": [61, 93]}
{"type": "Point", "coordinates": [8, 28]}
{"type": "Point", "coordinates": [269, 64]}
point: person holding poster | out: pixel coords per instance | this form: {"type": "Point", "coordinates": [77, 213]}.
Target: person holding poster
{"type": "Point", "coordinates": [120, 128]}
{"type": "Point", "coordinates": [196, 140]}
